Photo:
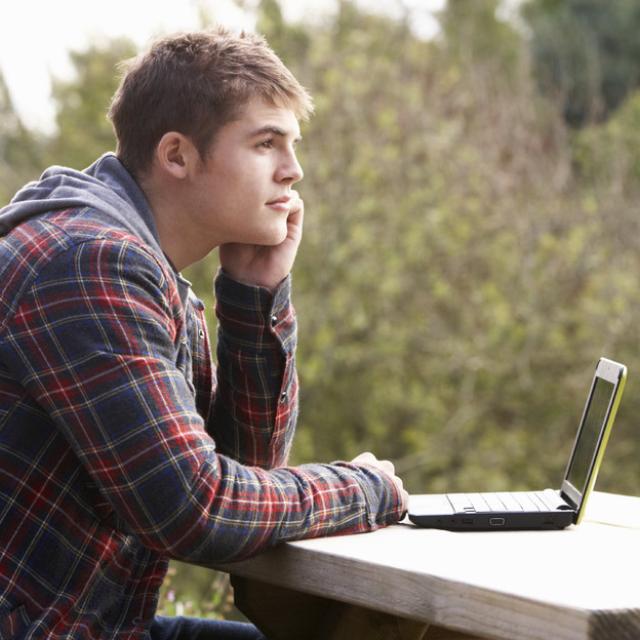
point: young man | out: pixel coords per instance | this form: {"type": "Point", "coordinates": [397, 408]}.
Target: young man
{"type": "Point", "coordinates": [120, 446]}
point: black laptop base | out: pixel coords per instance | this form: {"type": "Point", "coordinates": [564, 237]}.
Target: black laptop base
{"type": "Point", "coordinates": [495, 521]}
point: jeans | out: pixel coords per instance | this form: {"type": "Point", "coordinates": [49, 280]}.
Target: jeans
{"type": "Point", "coordinates": [181, 628]}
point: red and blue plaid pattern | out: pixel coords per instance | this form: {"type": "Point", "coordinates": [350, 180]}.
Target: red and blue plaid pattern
{"type": "Point", "coordinates": [118, 447]}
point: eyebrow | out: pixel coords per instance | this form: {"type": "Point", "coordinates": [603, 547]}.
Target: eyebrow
{"type": "Point", "coordinates": [272, 129]}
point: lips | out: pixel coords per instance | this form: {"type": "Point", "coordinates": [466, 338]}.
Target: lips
{"type": "Point", "coordinates": [281, 205]}
{"type": "Point", "coordinates": [281, 200]}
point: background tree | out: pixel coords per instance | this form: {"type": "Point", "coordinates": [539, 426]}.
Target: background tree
{"type": "Point", "coordinates": [20, 150]}
{"type": "Point", "coordinates": [586, 53]}
{"type": "Point", "coordinates": [83, 131]}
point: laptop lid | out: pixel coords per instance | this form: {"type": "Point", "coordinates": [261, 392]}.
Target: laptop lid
{"type": "Point", "coordinates": [591, 440]}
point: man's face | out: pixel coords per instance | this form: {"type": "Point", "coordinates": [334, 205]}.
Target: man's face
{"type": "Point", "coordinates": [241, 192]}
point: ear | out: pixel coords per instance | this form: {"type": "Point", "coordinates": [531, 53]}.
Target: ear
{"type": "Point", "coordinates": [176, 155]}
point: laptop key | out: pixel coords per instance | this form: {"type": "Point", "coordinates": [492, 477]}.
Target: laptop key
{"type": "Point", "coordinates": [461, 503]}
{"type": "Point", "coordinates": [552, 500]}
{"type": "Point", "coordinates": [538, 498]}
{"type": "Point", "coordinates": [509, 502]}
{"type": "Point", "coordinates": [479, 502]}
{"type": "Point", "coordinates": [525, 501]}
{"type": "Point", "coordinates": [430, 503]}
{"type": "Point", "coordinates": [494, 502]}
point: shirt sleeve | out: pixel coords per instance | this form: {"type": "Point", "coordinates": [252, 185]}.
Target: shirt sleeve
{"type": "Point", "coordinates": [95, 339]}
{"type": "Point", "coordinates": [255, 407]}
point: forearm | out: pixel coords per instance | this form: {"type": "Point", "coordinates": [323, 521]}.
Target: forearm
{"type": "Point", "coordinates": [235, 511]}
{"type": "Point", "coordinates": [255, 406]}
{"type": "Point", "coordinates": [256, 509]}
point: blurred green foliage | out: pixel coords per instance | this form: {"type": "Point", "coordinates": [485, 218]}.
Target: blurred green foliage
{"type": "Point", "coordinates": [21, 152]}
{"type": "Point", "coordinates": [586, 53]}
{"type": "Point", "coordinates": [467, 256]}
{"type": "Point", "coordinates": [83, 130]}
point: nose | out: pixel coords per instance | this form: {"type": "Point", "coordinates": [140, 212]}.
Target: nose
{"type": "Point", "coordinates": [290, 171]}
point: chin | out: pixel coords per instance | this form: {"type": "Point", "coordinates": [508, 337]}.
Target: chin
{"type": "Point", "coordinates": [273, 237]}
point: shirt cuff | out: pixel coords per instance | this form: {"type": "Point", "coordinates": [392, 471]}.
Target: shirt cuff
{"type": "Point", "coordinates": [253, 317]}
{"type": "Point", "coordinates": [384, 501]}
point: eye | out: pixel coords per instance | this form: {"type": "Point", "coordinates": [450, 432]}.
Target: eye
{"type": "Point", "coordinates": [266, 144]}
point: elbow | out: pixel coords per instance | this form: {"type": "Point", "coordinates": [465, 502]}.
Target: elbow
{"type": "Point", "coordinates": [218, 521]}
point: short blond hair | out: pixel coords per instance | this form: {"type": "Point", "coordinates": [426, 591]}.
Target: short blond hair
{"type": "Point", "coordinates": [195, 83]}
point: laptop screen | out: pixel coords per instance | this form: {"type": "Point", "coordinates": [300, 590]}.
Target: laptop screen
{"type": "Point", "coordinates": [591, 431]}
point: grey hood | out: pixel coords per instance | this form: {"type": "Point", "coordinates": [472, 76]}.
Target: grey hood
{"type": "Point", "coordinates": [106, 187]}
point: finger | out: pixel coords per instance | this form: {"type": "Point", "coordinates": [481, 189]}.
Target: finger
{"type": "Point", "coordinates": [296, 212]}
{"type": "Point", "coordinates": [295, 196]}
{"type": "Point", "coordinates": [295, 202]}
{"type": "Point", "coordinates": [365, 458]}
{"type": "Point", "coordinates": [405, 501]}
{"type": "Point", "coordinates": [387, 467]}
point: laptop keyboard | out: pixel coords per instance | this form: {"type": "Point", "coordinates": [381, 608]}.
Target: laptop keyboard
{"type": "Point", "coordinates": [505, 501]}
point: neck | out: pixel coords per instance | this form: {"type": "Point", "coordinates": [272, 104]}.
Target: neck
{"type": "Point", "coordinates": [178, 240]}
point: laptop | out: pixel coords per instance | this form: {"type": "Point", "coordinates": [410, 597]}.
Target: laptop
{"type": "Point", "coordinates": [547, 509]}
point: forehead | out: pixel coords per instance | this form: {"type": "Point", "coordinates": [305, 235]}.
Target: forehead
{"type": "Point", "coordinates": [258, 114]}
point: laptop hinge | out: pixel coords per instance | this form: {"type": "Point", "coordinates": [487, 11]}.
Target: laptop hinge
{"type": "Point", "coordinates": [568, 499]}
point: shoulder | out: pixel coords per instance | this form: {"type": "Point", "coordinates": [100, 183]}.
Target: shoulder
{"type": "Point", "coordinates": [79, 252]}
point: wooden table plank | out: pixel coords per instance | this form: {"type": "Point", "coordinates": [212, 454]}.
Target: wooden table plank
{"type": "Point", "coordinates": [566, 585]}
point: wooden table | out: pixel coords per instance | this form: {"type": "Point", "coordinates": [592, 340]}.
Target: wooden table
{"type": "Point", "coordinates": [407, 583]}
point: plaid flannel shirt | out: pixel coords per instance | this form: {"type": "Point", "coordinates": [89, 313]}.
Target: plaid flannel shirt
{"type": "Point", "coordinates": [120, 447]}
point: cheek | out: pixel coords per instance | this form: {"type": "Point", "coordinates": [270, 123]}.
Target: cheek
{"type": "Point", "coordinates": [241, 183]}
